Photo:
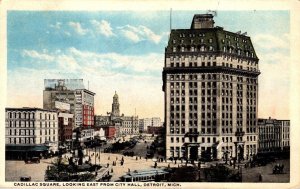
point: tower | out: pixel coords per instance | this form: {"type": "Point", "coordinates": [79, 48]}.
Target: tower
{"type": "Point", "coordinates": [210, 84]}
{"type": "Point", "coordinates": [115, 112]}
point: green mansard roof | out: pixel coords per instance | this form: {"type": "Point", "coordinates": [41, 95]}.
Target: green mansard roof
{"type": "Point", "coordinates": [213, 40]}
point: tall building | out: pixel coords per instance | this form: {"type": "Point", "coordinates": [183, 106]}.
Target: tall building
{"type": "Point", "coordinates": [273, 135]}
{"type": "Point", "coordinates": [72, 92]}
{"type": "Point", "coordinates": [210, 82]}
{"type": "Point", "coordinates": [115, 110]}
{"type": "Point", "coordinates": [27, 130]}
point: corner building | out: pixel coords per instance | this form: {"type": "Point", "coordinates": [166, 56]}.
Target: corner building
{"type": "Point", "coordinates": [210, 82]}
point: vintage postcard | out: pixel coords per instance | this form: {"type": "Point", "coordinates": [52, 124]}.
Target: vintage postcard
{"type": "Point", "coordinates": [154, 94]}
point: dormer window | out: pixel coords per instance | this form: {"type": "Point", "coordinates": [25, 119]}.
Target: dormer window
{"type": "Point", "coordinates": [210, 40]}
{"type": "Point", "coordinates": [202, 48]}
{"type": "Point", "coordinates": [174, 49]}
{"type": "Point", "coordinates": [201, 40]}
{"type": "Point", "coordinates": [174, 41]}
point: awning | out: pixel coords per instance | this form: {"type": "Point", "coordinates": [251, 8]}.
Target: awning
{"type": "Point", "coordinates": [23, 148]}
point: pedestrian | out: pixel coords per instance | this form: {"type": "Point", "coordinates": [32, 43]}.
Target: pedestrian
{"type": "Point", "coordinates": [111, 170]}
{"type": "Point", "coordinates": [260, 178]}
{"type": "Point", "coordinates": [116, 158]}
{"type": "Point", "coordinates": [140, 157]}
{"type": "Point", "coordinates": [136, 158]}
{"type": "Point", "coordinates": [146, 158]}
{"type": "Point", "coordinates": [128, 170]}
{"type": "Point", "coordinates": [155, 165]}
{"type": "Point", "coordinates": [107, 164]}
{"type": "Point", "coordinates": [169, 166]}
{"type": "Point", "coordinates": [108, 157]}
{"type": "Point", "coordinates": [175, 161]}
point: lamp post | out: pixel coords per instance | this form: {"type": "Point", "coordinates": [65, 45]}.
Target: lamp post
{"type": "Point", "coordinates": [95, 155]}
{"type": "Point", "coordinates": [199, 169]}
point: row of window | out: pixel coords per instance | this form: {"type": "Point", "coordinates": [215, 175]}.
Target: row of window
{"type": "Point", "coordinates": [25, 115]}
{"type": "Point", "coordinates": [29, 140]}
{"type": "Point", "coordinates": [29, 124]}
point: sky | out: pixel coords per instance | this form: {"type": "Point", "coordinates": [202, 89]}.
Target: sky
{"type": "Point", "coordinates": [123, 51]}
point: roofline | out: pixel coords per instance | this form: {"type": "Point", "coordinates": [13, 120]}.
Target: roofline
{"type": "Point", "coordinates": [30, 108]}
{"type": "Point", "coordinates": [214, 28]}
{"type": "Point", "coordinates": [86, 90]}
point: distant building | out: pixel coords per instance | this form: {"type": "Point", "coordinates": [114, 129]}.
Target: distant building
{"type": "Point", "coordinates": [273, 135]}
{"type": "Point", "coordinates": [72, 92]}
{"type": "Point", "coordinates": [27, 130]}
{"type": "Point", "coordinates": [146, 122]}
{"type": "Point", "coordinates": [155, 130]}
{"type": "Point", "coordinates": [124, 125]}
{"type": "Point", "coordinates": [210, 84]}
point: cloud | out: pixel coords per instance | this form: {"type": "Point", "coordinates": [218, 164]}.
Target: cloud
{"type": "Point", "coordinates": [139, 33]}
{"type": "Point", "coordinates": [57, 25]}
{"type": "Point", "coordinates": [74, 60]}
{"type": "Point", "coordinates": [78, 28]}
{"type": "Point", "coordinates": [271, 42]}
{"type": "Point", "coordinates": [37, 55]}
{"type": "Point", "coordinates": [106, 72]}
{"type": "Point", "coordinates": [103, 27]}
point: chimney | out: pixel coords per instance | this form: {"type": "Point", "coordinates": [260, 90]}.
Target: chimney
{"type": "Point", "coordinates": [202, 21]}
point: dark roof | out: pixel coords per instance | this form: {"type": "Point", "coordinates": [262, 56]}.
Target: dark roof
{"type": "Point", "coordinates": [216, 37]}
{"type": "Point", "coordinates": [29, 109]}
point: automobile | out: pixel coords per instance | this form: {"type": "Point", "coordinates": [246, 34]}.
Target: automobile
{"type": "Point", "coordinates": [25, 178]}
{"type": "Point", "coordinates": [32, 160]}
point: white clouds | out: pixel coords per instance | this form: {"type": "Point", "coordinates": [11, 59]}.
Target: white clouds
{"type": "Point", "coordinates": [132, 76]}
{"type": "Point", "coordinates": [137, 34]}
{"type": "Point", "coordinates": [134, 34]}
{"type": "Point", "coordinates": [103, 27]}
{"type": "Point", "coordinates": [57, 25]}
{"type": "Point", "coordinates": [274, 80]}
{"type": "Point", "coordinates": [268, 41]}
{"type": "Point", "coordinates": [78, 28]}
{"type": "Point", "coordinates": [74, 60]}
{"type": "Point", "coordinates": [36, 55]}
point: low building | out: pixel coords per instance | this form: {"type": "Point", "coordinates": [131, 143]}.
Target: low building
{"type": "Point", "coordinates": [273, 135]}
{"type": "Point", "coordinates": [110, 131]}
{"type": "Point", "coordinates": [27, 130]}
{"type": "Point", "coordinates": [155, 130]}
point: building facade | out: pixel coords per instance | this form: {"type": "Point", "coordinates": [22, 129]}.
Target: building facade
{"type": "Point", "coordinates": [146, 122]}
{"type": "Point", "coordinates": [84, 108]}
{"type": "Point", "coordinates": [72, 92]}
{"type": "Point", "coordinates": [273, 135]}
{"type": "Point", "coordinates": [210, 82]}
{"type": "Point", "coordinates": [28, 129]}
{"type": "Point", "coordinates": [65, 127]}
